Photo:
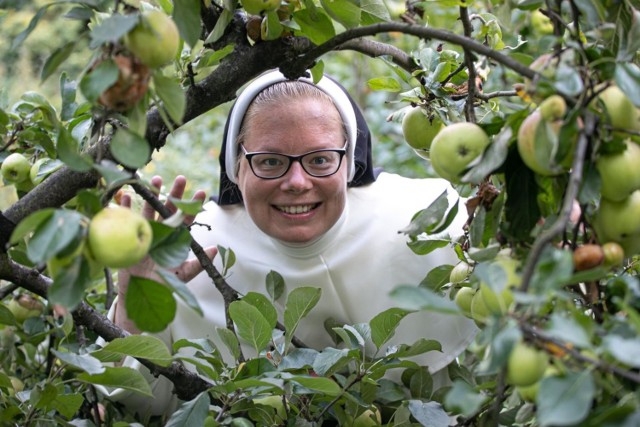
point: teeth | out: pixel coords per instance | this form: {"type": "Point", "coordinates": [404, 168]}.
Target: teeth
{"type": "Point", "coordinates": [296, 209]}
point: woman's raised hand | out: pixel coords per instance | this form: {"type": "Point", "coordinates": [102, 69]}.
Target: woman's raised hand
{"type": "Point", "coordinates": [146, 268]}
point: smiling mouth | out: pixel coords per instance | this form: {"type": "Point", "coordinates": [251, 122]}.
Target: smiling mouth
{"type": "Point", "coordinates": [299, 209]}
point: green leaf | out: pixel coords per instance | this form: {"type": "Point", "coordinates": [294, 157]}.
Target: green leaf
{"type": "Point", "coordinates": [493, 157]}
{"type": "Point", "coordinates": [150, 305]}
{"type": "Point", "coordinates": [275, 284]}
{"type": "Point", "coordinates": [625, 350]}
{"type": "Point", "coordinates": [343, 11]}
{"type": "Point", "coordinates": [54, 234]}
{"type": "Point", "coordinates": [414, 298]}
{"type": "Point", "coordinates": [330, 360]}
{"type": "Point", "coordinates": [130, 149]}
{"type": "Point", "coordinates": [565, 400]}
{"type": "Point", "coordinates": [419, 347]}
{"type": "Point", "coordinates": [173, 97]}
{"type": "Point", "coordinates": [554, 268]}
{"type": "Point", "coordinates": [6, 316]}
{"type": "Point", "coordinates": [191, 413]}
{"type": "Point", "coordinates": [67, 404]}
{"type": "Point", "coordinates": [99, 79]}
{"type": "Point", "coordinates": [70, 283]}
{"type": "Point", "coordinates": [373, 11]}
{"type": "Point", "coordinates": [112, 29]}
{"type": "Point", "coordinates": [186, 13]}
{"type": "Point", "coordinates": [463, 399]}
{"type": "Point", "coordinates": [17, 41]}
{"type": "Point", "coordinates": [139, 346]}
{"type": "Point", "coordinates": [271, 28]}
{"type": "Point", "coordinates": [426, 245]}
{"type": "Point", "coordinates": [181, 289]}
{"type": "Point", "coordinates": [383, 325]}
{"type": "Point", "coordinates": [121, 377]}
{"type": "Point", "coordinates": [230, 340]}
{"type": "Point", "coordinates": [427, 219]}
{"type": "Point", "coordinates": [428, 414]}
{"type": "Point", "coordinates": [388, 84]}
{"type": "Point", "coordinates": [68, 152]}
{"type": "Point", "coordinates": [218, 30]}
{"type": "Point", "coordinates": [112, 173]}
{"type": "Point", "coordinates": [437, 278]}
{"type": "Point", "coordinates": [315, 25]}
{"type": "Point", "coordinates": [85, 362]}
{"type": "Point", "coordinates": [55, 59]}
{"type": "Point", "coordinates": [319, 384]}
{"type": "Point", "coordinates": [567, 329]}
{"type": "Point", "coordinates": [30, 223]}
{"type": "Point", "coordinates": [265, 307]}
{"type": "Point", "coordinates": [171, 246]}
{"type": "Point", "coordinates": [629, 38]}
{"type": "Point", "coordinates": [521, 205]}
{"type": "Point", "coordinates": [421, 384]}
{"type": "Point", "coordinates": [627, 77]}
{"type": "Point", "coordinates": [299, 303]}
{"type": "Point", "coordinates": [251, 324]}
{"type": "Point", "coordinates": [189, 207]}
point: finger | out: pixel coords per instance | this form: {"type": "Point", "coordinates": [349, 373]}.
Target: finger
{"type": "Point", "coordinates": [177, 191]}
{"type": "Point", "coordinates": [125, 200]}
{"type": "Point", "coordinates": [200, 196]}
{"type": "Point", "coordinates": [191, 268]}
{"type": "Point", "coordinates": [147, 210]}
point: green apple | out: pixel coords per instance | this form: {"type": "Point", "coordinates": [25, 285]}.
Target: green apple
{"type": "Point", "coordinates": [460, 272]}
{"type": "Point", "coordinates": [618, 110]}
{"type": "Point", "coordinates": [25, 306]}
{"type": "Point", "coordinates": [500, 302]}
{"type": "Point", "coordinates": [15, 168]}
{"type": "Point", "coordinates": [464, 298]}
{"type": "Point", "coordinates": [119, 237]}
{"type": "Point", "coordinates": [619, 220]}
{"type": "Point", "coordinates": [533, 136]}
{"type": "Point", "coordinates": [479, 311]}
{"type": "Point", "coordinates": [257, 7]}
{"type": "Point", "coordinates": [613, 254]}
{"type": "Point", "coordinates": [419, 127]}
{"type": "Point", "coordinates": [155, 40]}
{"type": "Point", "coordinates": [553, 107]}
{"type": "Point", "coordinates": [526, 365]}
{"type": "Point", "coordinates": [455, 147]}
{"type": "Point", "coordinates": [619, 172]}
{"type": "Point", "coordinates": [541, 23]}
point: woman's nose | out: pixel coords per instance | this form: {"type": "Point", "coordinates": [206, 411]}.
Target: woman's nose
{"type": "Point", "coordinates": [296, 178]}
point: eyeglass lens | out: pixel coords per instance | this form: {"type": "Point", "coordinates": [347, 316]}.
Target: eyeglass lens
{"type": "Point", "coordinates": [317, 163]}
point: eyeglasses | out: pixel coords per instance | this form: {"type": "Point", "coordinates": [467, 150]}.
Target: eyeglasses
{"type": "Point", "coordinates": [317, 163]}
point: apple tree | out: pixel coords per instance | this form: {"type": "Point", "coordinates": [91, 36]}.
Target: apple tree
{"type": "Point", "coordinates": [529, 108]}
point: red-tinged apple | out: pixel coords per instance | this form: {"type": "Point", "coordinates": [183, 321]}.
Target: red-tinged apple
{"type": "Point", "coordinates": [24, 307]}
{"type": "Point", "coordinates": [619, 172]}
{"type": "Point", "coordinates": [15, 168]}
{"type": "Point", "coordinates": [587, 256]}
{"type": "Point", "coordinates": [257, 7]}
{"type": "Point", "coordinates": [155, 40]}
{"type": "Point", "coordinates": [419, 127]}
{"type": "Point", "coordinates": [537, 134]}
{"type": "Point", "coordinates": [455, 147]}
{"type": "Point", "coordinates": [526, 365]}
{"type": "Point", "coordinates": [119, 237]}
{"type": "Point", "coordinates": [131, 86]}
{"type": "Point", "coordinates": [613, 254]}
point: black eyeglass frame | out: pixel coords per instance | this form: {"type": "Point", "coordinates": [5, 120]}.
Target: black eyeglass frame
{"type": "Point", "coordinates": [341, 151]}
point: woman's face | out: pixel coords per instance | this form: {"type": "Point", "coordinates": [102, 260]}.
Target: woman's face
{"type": "Point", "coordinates": [297, 207]}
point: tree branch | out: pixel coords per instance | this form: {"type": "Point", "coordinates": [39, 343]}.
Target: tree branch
{"type": "Point", "coordinates": [187, 384]}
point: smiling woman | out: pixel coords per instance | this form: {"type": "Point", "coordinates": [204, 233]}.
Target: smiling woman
{"type": "Point", "coordinates": [295, 198]}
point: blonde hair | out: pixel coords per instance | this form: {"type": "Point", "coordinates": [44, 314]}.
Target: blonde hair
{"type": "Point", "coordinates": [283, 92]}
